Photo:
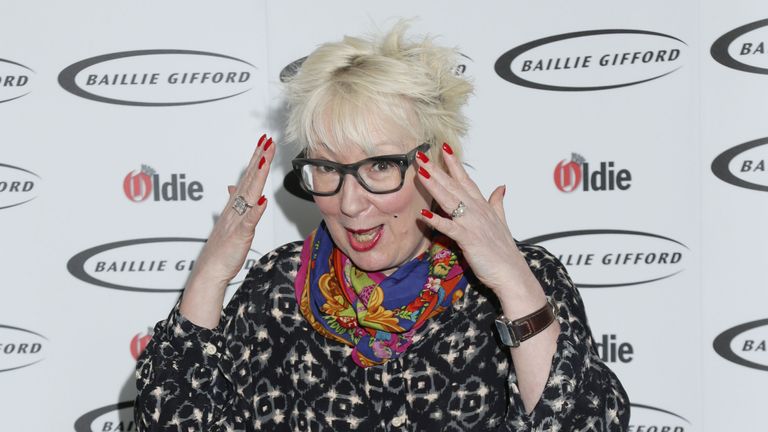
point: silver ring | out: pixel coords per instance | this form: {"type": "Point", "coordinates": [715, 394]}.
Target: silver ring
{"type": "Point", "coordinates": [240, 205]}
{"type": "Point", "coordinates": [459, 211]}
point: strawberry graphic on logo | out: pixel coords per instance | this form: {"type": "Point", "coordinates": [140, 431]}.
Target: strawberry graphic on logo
{"type": "Point", "coordinates": [568, 173]}
{"type": "Point", "coordinates": [137, 185]}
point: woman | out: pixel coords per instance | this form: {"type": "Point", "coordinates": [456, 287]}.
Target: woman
{"type": "Point", "coordinates": [411, 307]}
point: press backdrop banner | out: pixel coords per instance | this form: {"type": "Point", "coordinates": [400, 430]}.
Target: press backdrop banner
{"type": "Point", "coordinates": [632, 140]}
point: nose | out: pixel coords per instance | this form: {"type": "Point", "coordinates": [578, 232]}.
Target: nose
{"type": "Point", "coordinates": [354, 198]}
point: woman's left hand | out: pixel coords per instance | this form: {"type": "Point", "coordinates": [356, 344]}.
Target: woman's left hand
{"type": "Point", "coordinates": [488, 247]}
{"type": "Point", "coordinates": [481, 231]}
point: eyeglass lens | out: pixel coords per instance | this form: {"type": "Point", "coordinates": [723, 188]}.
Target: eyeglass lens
{"type": "Point", "coordinates": [377, 176]}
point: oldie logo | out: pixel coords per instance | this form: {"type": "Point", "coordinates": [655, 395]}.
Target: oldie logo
{"type": "Point", "coordinates": [139, 185]}
{"type": "Point", "coordinates": [603, 258]}
{"type": "Point", "coordinates": [139, 342]}
{"type": "Point", "coordinates": [612, 350]}
{"type": "Point", "coordinates": [744, 165]}
{"type": "Point", "coordinates": [14, 80]}
{"type": "Point", "coordinates": [592, 60]}
{"type": "Point", "coordinates": [746, 344]}
{"type": "Point", "coordinates": [744, 48]}
{"type": "Point", "coordinates": [646, 418]}
{"type": "Point", "coordinates": [17, 186]}
{"type": "Point", "coordinates": [160, 77]}
{"type": "Point", "coordinates": [576, 173]}
{"type": "Point", "coordinates": [145, 265]}
{"type": "Point", "coordinates": [110, 418]}
{"type": "Point", "coordinates": [20, 348]}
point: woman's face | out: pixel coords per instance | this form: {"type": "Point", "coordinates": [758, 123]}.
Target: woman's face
{"type": "Point", "coordinates": [378, 232]}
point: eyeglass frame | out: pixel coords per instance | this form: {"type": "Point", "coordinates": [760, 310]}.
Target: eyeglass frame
{"type": "Point", "coordinates": [404, 161]}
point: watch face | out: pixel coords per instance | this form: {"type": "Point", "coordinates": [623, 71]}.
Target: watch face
{"type": "Point", "coordinates": [501, 327]}
{"type": "Point", "coordinates": [505, 334]}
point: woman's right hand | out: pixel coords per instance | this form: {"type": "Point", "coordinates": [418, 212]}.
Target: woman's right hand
{"type": "Point", "coordinates": [225, 251]}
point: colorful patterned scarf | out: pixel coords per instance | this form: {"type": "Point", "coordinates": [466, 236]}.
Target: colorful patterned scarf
{"type": "Point", "coordinates": [375, 314]}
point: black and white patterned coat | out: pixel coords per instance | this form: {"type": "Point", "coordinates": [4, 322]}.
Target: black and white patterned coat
{"type": "Point", "coordinates": [264, 368]}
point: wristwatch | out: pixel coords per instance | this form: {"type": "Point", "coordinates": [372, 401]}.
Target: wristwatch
{"type": "Point", "coordinates": [512, 333]}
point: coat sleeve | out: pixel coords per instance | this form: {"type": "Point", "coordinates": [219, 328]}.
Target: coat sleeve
{"type": "Point", "coordinates": [193, 378]}
{"type": "Point", "coordinates": [581, 393]}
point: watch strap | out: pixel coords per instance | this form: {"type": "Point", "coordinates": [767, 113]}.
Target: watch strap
{"type": "Point", "coordinates": [512, 333]}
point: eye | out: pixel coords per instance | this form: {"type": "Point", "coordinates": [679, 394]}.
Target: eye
{"type": "Point", "coordinates": [324, 169]}
{"type": "Point", "coordinates": [382, 166]}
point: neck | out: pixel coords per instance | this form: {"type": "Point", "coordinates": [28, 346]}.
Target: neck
{"type": "Point", "coordinates": [423, 247]}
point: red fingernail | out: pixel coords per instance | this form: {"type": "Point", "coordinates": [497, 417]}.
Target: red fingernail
{"type": "Point", "coordinates": [261, 140]}
{"type": "Point", "coordinates": [269, 143]}
{"type": "Point", "coordinates": [426, 213]}
{"type": "Point", "coordinates": [261, 162]}
{"type": "Point", "coordinates": [424, 173]}
{"type": "Point", "coordinates": [422, 157]}
{"type": "Point", "coordinates": [447, 148]}
{"type": "Point", "coordinates": [261, 200]}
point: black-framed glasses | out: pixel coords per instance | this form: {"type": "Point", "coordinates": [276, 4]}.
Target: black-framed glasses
{"type": "Point", "coordinates": [379, 174]}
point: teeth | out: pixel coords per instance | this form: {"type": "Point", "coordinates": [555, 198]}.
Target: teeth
{"type": "Point", "coordinates": [366, 237]}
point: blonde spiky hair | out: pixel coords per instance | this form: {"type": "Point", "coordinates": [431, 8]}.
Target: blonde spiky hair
{"type": "Point", "coordinates": [346, 89]}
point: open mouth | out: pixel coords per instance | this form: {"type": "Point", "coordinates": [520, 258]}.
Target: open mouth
{"type": "Point", "coordinates": [364, 239]}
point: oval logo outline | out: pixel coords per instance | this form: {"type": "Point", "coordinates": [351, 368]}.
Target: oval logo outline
{"type": "Point", "coordinates": [652, 408]}
{"type": "Point", "coordinates": [292, 68]}
{"type": "Point", "coordinates": [719, 49]}
{"type": "Point", "coordinates": [2, 165]}
{"type": "Point", "coordinates": [3, 326]}
{"type": "Point", "coordinates": [576, 233]}
{"type": "Point", "coordinates": [2, 60]}
{"type": "Point", "coordinates": [505, 60]}
{"type": "Point", "coordinates": [76, 264]}
{"type": "Point", "coordinates": [68, 74]}
{"type": "Point", "coordinates": [721, 163]}
{"type": "Point", "coordinates": [83, 423]}
{"type": "Point", "coordinates": [722, 344]}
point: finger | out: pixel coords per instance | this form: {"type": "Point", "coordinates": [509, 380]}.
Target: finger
{"type": "Point", "coordinates": [253, 215]}
{"type": "Point", "coordinates": [435, 180]}
{"type": "Point", "coordinates": [231, 190]}
{"type": "Point", "coordinates": [496, 200]}
{"type": "Point", "coordinates": [442, 224]}
{"type": "Point", "coordinates": [457, 172]}
{"type": "Point", "coordinates": [246, 222]}
{"type": "Point", "coordinates": [441, 176]}
{"type": "Point", "coordinates": [257, 152]}
{"type": "Point", "coordinates": [439, 179]}
{"type": "Point", "coordinates": [251, 184]}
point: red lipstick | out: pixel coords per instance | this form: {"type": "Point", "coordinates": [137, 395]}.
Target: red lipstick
{"type": "Point", "coordinates": [362, 240]}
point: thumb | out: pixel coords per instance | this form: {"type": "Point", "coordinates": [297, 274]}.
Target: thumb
{"type": "Point", "coordinates": [496, 200]}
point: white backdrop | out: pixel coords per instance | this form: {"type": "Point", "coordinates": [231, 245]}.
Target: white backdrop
{"type": "Point", "coordinates": [123, 123]}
